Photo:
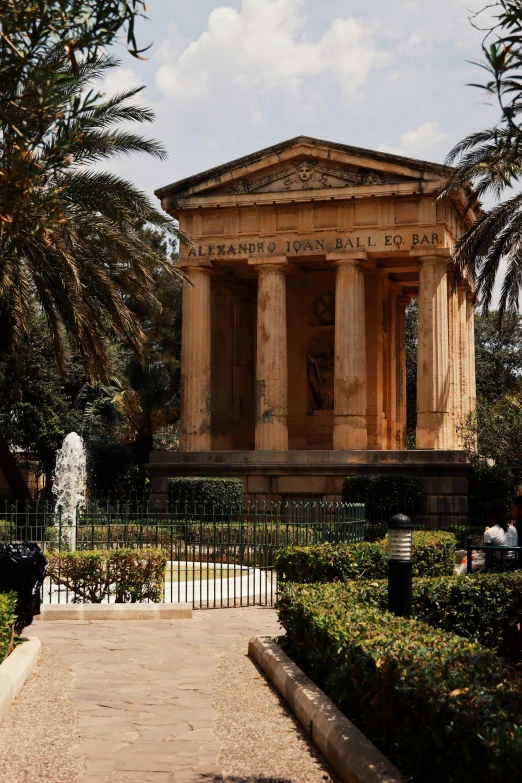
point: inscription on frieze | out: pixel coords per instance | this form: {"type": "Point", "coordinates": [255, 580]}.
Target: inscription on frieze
{"type": "Point", "coordinates": [318, 245]}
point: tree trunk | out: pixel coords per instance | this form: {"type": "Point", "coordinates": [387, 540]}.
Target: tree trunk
{"type": "Point", "coordinates": [12, 472]}
{"type": "Point", "coordinates": [142, 445]}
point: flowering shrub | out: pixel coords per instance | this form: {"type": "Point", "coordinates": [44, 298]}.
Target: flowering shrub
{"type": "Point", "coordinates": [166, 438]}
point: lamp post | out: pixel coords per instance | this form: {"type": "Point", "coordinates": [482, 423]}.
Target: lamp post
{"type": "Point", "coordinates": [400, 565]}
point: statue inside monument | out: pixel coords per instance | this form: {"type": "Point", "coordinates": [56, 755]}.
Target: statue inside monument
{"type": "Point", "coordinates": [321, 377]}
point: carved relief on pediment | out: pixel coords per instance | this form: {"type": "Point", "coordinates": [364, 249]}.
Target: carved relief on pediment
{"type": "Point", "coordinates": [307, 175]}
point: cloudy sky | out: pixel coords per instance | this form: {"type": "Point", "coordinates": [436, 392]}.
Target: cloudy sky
{"type": "Point", "coordinates": [226, 79]}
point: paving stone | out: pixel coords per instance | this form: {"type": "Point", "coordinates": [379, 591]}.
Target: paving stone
{"type": "Point", "coordinates": [143, 692]}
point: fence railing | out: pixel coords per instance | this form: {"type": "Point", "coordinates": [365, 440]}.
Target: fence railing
{"type": "Point", "coordinates": [509, 558]}
{"type": "Point", "coordinates": [216, 555]}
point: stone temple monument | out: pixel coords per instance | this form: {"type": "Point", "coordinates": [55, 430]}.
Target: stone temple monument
{"type": "Point", "coordinates": [305, 257]}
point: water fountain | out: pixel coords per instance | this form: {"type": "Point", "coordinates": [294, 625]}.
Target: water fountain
{"type": "Point", "coordinates": [69, 485]}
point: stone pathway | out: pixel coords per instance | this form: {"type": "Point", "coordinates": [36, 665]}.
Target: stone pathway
{"type": "Point", "coordinates": [260, 741]}
{"type": "Point", "coordinates": [39, 731]}
{"type": "Point", "coordinates": [143, 692]}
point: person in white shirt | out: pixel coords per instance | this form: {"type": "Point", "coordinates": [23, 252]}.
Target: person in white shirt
{"type": "Point", "coordinates": [501, 533]}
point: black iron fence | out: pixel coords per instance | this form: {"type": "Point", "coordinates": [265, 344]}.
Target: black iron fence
{"type": "Point", "coordinates": [216, 555]}
{"type": "Point", "coordinates": [493, 558]}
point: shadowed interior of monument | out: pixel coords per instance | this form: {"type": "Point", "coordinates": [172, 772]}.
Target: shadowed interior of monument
{"type": "Point", "coordinates": [310, 306]}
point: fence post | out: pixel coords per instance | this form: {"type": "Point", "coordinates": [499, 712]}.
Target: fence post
{"type": "Point", "coordinates": [469, 568]}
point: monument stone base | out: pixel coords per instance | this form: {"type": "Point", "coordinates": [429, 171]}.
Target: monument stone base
{"type": "Point", "coordinates": [319, 475]}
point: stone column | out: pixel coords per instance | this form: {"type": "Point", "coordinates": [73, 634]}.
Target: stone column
{"type": "Point", "coordinates": [245, 370]}
{"type": "Point", "coordinates": [402, 302]}
{"type": "Point", "coordinates": [433, 371]}
{"type": "Point", "coordinates": [472, 379]}
{"type": "Point", "coordinates": [222, 368]}
{"type": "Point", "coordinates": [195, 361]}
{"type": "Point", "coordinates": [391, 333]}
{"type": "Point", "coordinates": [350, 428]}
{"type": "Point", "coordinates": [464, 407]}
{"type": "Point", "coordinates": [454, 352]}
{"type": "Point", "coordinates": [272, 361]}
{"type": "Point", "coordinates": [374, 302]}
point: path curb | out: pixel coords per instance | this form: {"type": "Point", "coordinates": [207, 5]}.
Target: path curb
{"type": "Point", "coordinates": [347, 750]}
{"type": "Point", "coordinates": [95, 612]}
{"type": "Point", "coordinates": [16, 669]}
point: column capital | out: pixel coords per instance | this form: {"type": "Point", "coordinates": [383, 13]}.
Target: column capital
{"type": "Point", "coordinates": [431, 254]}
{"type": "Point", "coordinates": [269, 264]}
{"type": "Point", "coordinates": [403, 299]}
{"type": "Point", "coordinates": [194, 263]}
{"type": "Point", "coordinates": [348, 257]}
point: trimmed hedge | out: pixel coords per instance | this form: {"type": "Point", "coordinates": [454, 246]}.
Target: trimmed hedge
{"type": "Point", "coordinates": [443, 708]}
{"type": "Point", "coordinates": [486, 608]}
{"type": "Point", "coordinates": [433, 555]}
{"type": "Point", "coordinates": [131, 575]}
{"type": "Point", "coordinates": [7, 624]}
{"type": "Point", "coordinates": [384, 495]}
{"type": "Point", "coordinates": [227, 492]}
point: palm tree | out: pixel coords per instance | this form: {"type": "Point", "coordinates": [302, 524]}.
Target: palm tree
{"type": "Point", "coordinates": [491, 161]}
{"type": "Point", "coordinates": [85, 259]}
{"type": "Point", "coordinates": [136, 405]}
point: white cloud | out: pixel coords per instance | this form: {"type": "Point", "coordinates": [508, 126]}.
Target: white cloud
{"type": "Point", "coordinates": [416, 141]}
{"type": "Point", "coordinates": [261, 56]}
{"type": "Point", "coordinates": [119, 80]}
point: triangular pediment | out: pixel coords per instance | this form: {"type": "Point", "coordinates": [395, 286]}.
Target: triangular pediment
{"type": "Point", "coordinates": [303, 164]}
{"type": "Point", "coordinates": [307, 174]}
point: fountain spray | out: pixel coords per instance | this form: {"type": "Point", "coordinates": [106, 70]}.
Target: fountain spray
{"type": "Point", "coordinates": [69, 485]}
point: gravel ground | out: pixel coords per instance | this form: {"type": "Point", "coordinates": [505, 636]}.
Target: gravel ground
{"type": "Point", "coordinates": [40, 728]}
{"type": "Point", "coordinates": [261, 741]}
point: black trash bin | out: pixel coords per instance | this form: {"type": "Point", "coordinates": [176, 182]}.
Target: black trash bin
{"type": "Point", "coordinates": [22, 569]}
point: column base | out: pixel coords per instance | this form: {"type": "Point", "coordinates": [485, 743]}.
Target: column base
{"type": "Point", "coordinates": [350, 432]}
{"type": "Point", "coordinates": [376, 426]}
{"type": "Point", "coordinates": [433, 430]}
{"type": "Point", "coordinates": [195, 442]}
{"type": "Point", "coordinates": [272, 436]}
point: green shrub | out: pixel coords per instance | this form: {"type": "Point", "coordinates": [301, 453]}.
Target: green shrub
{"type": "Point", "coordinates": [167, 534]}
{"type": "Point", "coordinates": [138, 575]}
{"type": "Point", "coordinates": [92, 577]}
{"type": "Point", "coordinates": [484, 607]}
{"type": "Point", "coordinates": [225, 492]}
{"type": "Point", "coordinates": [109, 463]}
{"type": "Point", "coordinates": [384, 495]}
{"type": "Point", "coordinates": [7, 531]}
{"type": "Point", "coordinates": [433, 554]}
{"type": "Point", "coordinates": [461, 533]}
{"type": "Point", "coordinates": [7, 624]}
{"type": "Point", "coordinates": [443, 708]}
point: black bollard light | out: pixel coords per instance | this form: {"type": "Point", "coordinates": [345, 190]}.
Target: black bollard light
{"type": "Point", "coordinates": [400, 553]}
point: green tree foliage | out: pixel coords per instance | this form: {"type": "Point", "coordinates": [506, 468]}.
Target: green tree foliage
{"type": "Point", "coordinates": [492, 160]}
{"type": "Point", "coordinates": [86, 267]}
{"type": "Point", "coordinates": [498, 356]}
{"type": "Point", "coordinates": [70, 233]}
{"type": "Point", "coordinates": [493, 439]}
{"type": "Point", "coordinates": [37, 400]}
